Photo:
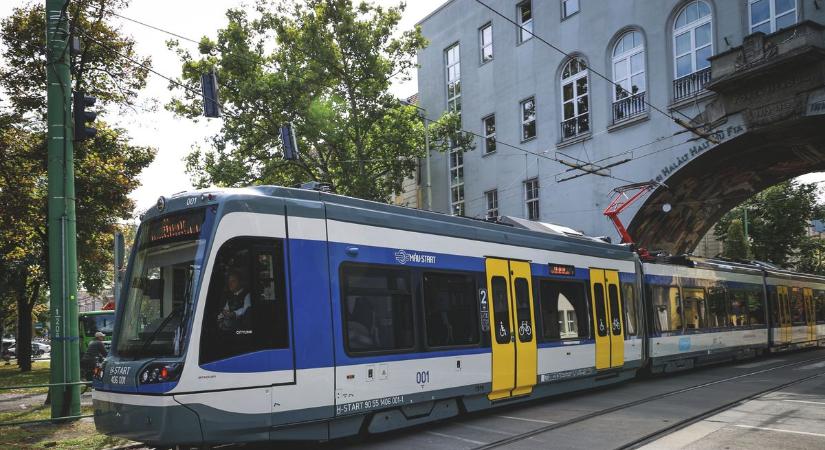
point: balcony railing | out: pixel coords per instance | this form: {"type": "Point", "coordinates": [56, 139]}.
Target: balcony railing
{"type": "Point", "coordinates": [577, 125]}
{"type": "Point", "coordinates": [629, 107]}
{"type": "Point", "coordinates": [690, 84]}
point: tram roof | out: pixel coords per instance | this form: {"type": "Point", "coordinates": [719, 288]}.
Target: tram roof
{"type": "Point", "coordinates": [349, 209]}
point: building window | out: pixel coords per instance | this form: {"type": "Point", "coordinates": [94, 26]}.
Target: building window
{"type": "Point", "coordinates": [489, 124]}
{"type": "Point", "coordinates": [629, 76]}
{"type": "Point", "coordinates": [575, 99]}
{"type": "Point", "coordinates": [486, 36]}
{"type": "Point", "coordinates": [452, 61]}
{"type": "Point", "coordinates": [692, 46]}
{"type": "Point", "coordinates": [531, 190]}
{"type": "Point", "coordinates": [569, 7]}
{"type": "Point", "coordinates": [768, 16]}
{"type": "Point", "coordinates": [491, 198]}
{"type": "Point", "coordinates": [457, 182]}
{"type": "Point", "coordinates": [528, 119]}
{"type": "Point", "coordinates": [378, 309]}
{"type": "Point", "coordinates": [525, 21]}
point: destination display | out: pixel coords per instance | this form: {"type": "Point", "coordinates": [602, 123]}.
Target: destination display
{"type": "Point", "coordinates": [562, 269]}
{"type": "Point", "coordinates": [176, 227]}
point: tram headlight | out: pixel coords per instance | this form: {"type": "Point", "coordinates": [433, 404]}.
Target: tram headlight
{"type": "Point", "coordinates": [160, 373]}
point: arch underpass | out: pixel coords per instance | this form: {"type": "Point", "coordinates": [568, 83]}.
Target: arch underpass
{"type": "Point", "coordinates": [769, 112]}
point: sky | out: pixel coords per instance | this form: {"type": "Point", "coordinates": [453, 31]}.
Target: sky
{"type": "Point", "coordinates": [174, 137]}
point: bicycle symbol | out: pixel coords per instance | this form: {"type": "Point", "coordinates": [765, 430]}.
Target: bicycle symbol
{"type": "Point", "coordinates": [501, 330]}
{"type": "Point", "coordinates": [616, 324]}
{"type": "Point", "coordinates": [524, 328]}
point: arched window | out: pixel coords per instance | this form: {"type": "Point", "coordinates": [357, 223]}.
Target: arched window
{"type": "Point", "coordinates": [692, 46]}
{"type": "Point", "coordinates": [628, 76]}
{"type": "Point", "coordinates": [575, 99]}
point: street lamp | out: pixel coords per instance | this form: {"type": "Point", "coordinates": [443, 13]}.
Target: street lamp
{"type": "Point", "coordinates": [428, 186]}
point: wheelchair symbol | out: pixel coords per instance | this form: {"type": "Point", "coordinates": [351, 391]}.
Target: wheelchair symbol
{"type": "Point", "coordinates": [601, 325]}
{"type": "Point", "coordinates": [501, 330]}
{"type": "Point", "coordinates": [524, 328]}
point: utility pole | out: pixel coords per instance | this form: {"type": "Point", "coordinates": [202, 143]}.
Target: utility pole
{"type": "Point", "coordinates": [65, 363]}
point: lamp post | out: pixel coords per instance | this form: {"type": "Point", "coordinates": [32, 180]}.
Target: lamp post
{"type": "Point", "coordinates": [428, 186]}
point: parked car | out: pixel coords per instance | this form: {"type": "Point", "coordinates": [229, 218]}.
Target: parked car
{"type": "Point", "coordinates": [36, 350]}
{"type": "Point", "coordinates": [44, 348]}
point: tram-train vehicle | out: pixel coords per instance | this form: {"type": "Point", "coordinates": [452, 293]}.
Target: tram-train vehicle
{"type": "Point", "coordinates": [271, 313]}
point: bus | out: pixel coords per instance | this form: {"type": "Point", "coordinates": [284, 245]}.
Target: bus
{"type": "Point", "coordinates": [93, 321]}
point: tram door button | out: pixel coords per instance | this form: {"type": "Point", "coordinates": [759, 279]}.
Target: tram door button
{"type": "Point", "coordinates": [370, 373]}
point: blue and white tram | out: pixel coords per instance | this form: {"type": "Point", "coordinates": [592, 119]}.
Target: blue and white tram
{"type": "Point", "coordinates": [272, 313]}
{"type": "Point", "coordinates": [704, 311]}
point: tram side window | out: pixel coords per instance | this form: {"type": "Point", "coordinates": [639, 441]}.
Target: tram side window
{"type": "Point", "coordinates": [717, 308]}
{"type": "Point", "coordinates": [450, 310]}
{"type": "Point", "coordinates": [667, 308]}
{"type": "Point", "coordinates": [797, 307]}
{"type": "Point", "coordinates": [629, 299]}
{"type": "Point", "coordinates": [695, 308]}
{"type": "Point", "coordinates": [246, 305]}
{"type": "Point", "coordinates": [378, 312]}
{"type": "Point", "coordinates": [738, 307]}
{"type": "Point", "coordinates": [563, 306]}
{"type": "Point", "coordinates": [756, 308]}
{"type": "Point", "coordinates": [819, 297]}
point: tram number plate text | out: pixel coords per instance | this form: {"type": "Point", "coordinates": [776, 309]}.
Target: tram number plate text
{"type": "Point", "coordinates": [354, 407]}
{"type": "Point", "coordinates": [118, 374]}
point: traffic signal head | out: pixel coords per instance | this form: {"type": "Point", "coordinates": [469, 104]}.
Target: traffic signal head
{"type": "Point", "coordinates": [289, 142]}
{"type": "Point", "coordinates": [82, 117]}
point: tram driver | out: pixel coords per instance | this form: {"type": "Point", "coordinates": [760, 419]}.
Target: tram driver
{"type": "Point", "coordinates": [237, 304]}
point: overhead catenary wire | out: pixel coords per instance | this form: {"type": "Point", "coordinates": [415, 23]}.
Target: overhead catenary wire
{"type": "Point", "coordinates": [596, 169]}
{"type": "Point", "coordinates": [192, 90]}
{"type": "Point", "coordinates": [569, 167]}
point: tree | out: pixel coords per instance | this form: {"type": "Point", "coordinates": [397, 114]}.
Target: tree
{"type": "Point", "coordinates": [329, 74]}
{"type": "Point", "coordinates": [778, 220]}
{"type": "Point", "coordinates": [736, 244]}
{"type": "Point", "coordinates": [106, 167]}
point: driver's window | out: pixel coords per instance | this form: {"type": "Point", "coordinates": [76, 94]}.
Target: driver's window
{"type": "Point", "coordinates": [246, 306]}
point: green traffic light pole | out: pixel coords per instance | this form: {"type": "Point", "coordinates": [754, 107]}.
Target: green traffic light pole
{"type": "Point", "coordinates": [65, 362]}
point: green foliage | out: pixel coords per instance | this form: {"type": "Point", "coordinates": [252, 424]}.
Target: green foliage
{"type": "Point", "coordinates": [778, 220]}
{"type": "Point", "coordinates": [736, 244]}
{"type": "Point", "coordinates": [106, 167]}
{"type": "Point", "coordinates": [326, 66]}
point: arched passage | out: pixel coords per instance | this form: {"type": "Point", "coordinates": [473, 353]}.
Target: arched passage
{"type": "Point", "coordinates": [770, 111]}
{"type": "Point", "coordinates": [710, 185]}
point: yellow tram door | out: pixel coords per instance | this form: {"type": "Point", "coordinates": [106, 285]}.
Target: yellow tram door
{"type": "Point", "coordinates": [607, 318]}
{"type": "Point", "coordinates": [512, 328]}
{"type": "Point", "coordinates": [784, 315]}
{"type": "Point", "coordinates": [810, 312]}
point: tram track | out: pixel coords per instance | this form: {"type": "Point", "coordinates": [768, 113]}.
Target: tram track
{"type": "Point", "coordinates": [672, 428]}
{"type": "Point", "coordinates": [651, 437]}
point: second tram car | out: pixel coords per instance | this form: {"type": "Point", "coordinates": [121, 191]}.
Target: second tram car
{"type": "Point", "coordinates": [271, 313]}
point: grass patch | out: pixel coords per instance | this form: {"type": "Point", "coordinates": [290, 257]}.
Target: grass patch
{"type": "Point", "coordinates": [79, 434]}
{"type": "Point", "coordinates": [11, 376]}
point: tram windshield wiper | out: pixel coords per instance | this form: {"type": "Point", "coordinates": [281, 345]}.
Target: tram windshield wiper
{"type": "Point", "coordinates": [151, 338]}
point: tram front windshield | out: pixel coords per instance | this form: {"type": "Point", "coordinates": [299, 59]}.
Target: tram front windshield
{"type": "Point", "coordinates": [160, 286]}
